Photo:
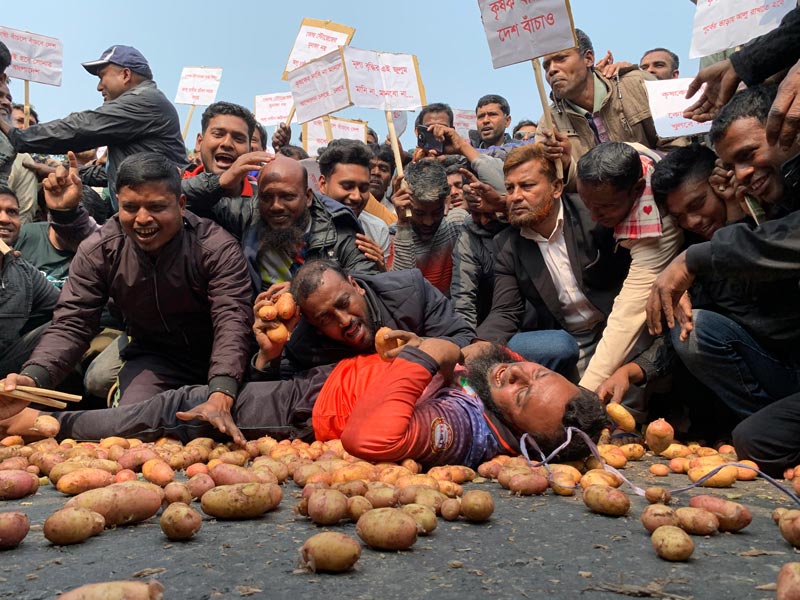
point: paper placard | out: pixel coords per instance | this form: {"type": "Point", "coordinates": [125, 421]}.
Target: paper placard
{"type": "Point", "coordinates": [383, 80]}
{"type": "Point", "coordinates": [274, 109]}
{"type": "Point", "coordinates": [723, 24]}
{"type": "Point", "coordinates": [34, 57]}
{"type": "Point", "coordinates": [348, 129]}
{"type": "Point", "coordinates": [320, 87]}
{"type": "Point", "coordinates": [463, 121]}
{"type": "Point", "coordinates": [519, 30]}
{"type": "Point", "coordinates": [198, 85]}
{"type": "Point", "coordinates": [315, 39]}
{"type": "Point", "coordinates": [400, 118]}
{"type": "Point", "coordinates": [667, 103]}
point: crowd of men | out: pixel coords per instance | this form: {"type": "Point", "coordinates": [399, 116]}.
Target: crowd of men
{"type": "Point", "coordinates": [659, 273]}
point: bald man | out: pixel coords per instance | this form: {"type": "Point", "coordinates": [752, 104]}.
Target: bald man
{"type": "Point", "coordinates": [286, 225]}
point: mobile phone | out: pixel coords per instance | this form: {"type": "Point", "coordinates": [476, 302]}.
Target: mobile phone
{"type": "Point", "coordinates": [426, 141]}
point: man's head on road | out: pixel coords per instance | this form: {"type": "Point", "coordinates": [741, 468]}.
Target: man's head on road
{"type": "Point", "coordinates": [530, 398]}
{"type": "Point", "coordinates": [680, 184]}
{"type": "Point", "coordinates": [610, 181]}
{"type": "Point", "coordinates": [381, 167]}
{"type": "Point", "coordinates": [437, 113]}
{"type": "Point", "coordinates": [569, 72]}
{"type": "Point", "coordinates": [258, 141]}
{"type": "Point", "coordinates": [284, 200]}
{"type": "Point", "coordinates": [524, 130]}
{"type": "Point", "coordinates": [18, 116]}
{"type": "Point", "coordinates": [332, 301]}
{"type": "Point", "coordinates": [427, 182]}
{"type": "Point", "coordinates": [120, 68]}
{"type": "Point", "coordinates": [492, 117]}
{"type": "Point", "coordinates": [344, 173]}
{"type": "Point", "coordinates": [739, 137]}
{"type": "Point", "coordinates": [225, 135]}
{"type": "Point", "coordinates": [532, 186]}
{"type": "Point", "coordinates": [660, 62]}
{"type": "Point", "coordinates": [150, 201]}
{"type": "Point", "coordinates": [6, 102]}
{"type": "Point", "coordinates": [9, 216]}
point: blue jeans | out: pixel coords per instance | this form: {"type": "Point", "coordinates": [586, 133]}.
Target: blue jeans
{"type": "Point", "coordinates": [552, 348]}
{"type": "Point", "coordinates": [733, 365]}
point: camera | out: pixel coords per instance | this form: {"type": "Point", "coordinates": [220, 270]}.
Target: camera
{"type": "Point", "coordinates": [426, 141]}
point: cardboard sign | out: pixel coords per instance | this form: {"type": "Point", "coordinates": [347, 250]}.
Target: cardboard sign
{"type": "Point", "coordinates": [198, 85]}
{"type": "Point", "coordinates": [667, 103]}
{"type": "Point", "coordinates": [34, 57]}
{"type": "Point", "coordinates": [463, 121]}
{"type": "Point", "coordinates": [519, 30]}
{"type": "Point", "coordinates": [383, 80]}
{"type": "Point", "coordinates": [274, 109]}
{"type": "Point", "coordinates": [315, 39]}
{"type": "Point", "coordinates": [320, 87]}
{"type": "Point", "coordinates": [400, 118]}
{"type": "Point", "coordinates": [723, 24]}
{"type": "Point", "coordinates": [314, 133]}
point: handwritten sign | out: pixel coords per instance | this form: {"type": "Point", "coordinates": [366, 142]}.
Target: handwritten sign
{"type": "Point", "coordinates": [198, 85]}
{"type": "Point", "coordinates": [667, 103]}
{"type": "Point", "coordinates": [723, 24]}
{"type": "Point", "coordinates": [519, 30]}
{"type": "Point", "coordinates": [34, 57]}
{"type": "Point", "coordinates": [384, 80]}
{"type": "Point", "coordinates": [273, 109]}
{"type": "Point", "coordinates": [464, 120]}
{"type": "Point", "coordinates": [348, 129]}
{"type": "Point", "coordinates": [315, 39]}
{"type": "Point", "coordinates": [320, 87]}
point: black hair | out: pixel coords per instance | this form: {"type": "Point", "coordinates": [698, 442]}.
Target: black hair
{"type": "Point", "coordinates": [228, 108]}
{"type": "Point", "coordinates": [32, 112]}
{"type": "Point", "coordinates": [262, 132]}
{"type": "Point", "coordinates": [616, 163]}
{"type": "Point", "coordinates": [584, 43]}
{"type": "Point", "coordinates": [673, 57]}
{"type": "Point", "coordinates": [682, 164]}
{"type": "Point", "coordinates": [346, 152]}
{"type": "Point", "coordinates": [753, 102]}
{"type": "Point", "coordinates": [435, 107]}
{"type": "Point", "coordinates": [149, 167]}
{"type": "Point", "coordinates": [427, 181]}
{"type": "Point", "coordinates": [372, 132]}
{"type": "Point", "coordinates": [521, 124]}
{"type": "Point", "coordinates": [5, 57]}
{"type": "Point", "coordinates": [309, 277]}
{"type": "Point", "coordinates": [583, 411]}
{"type": "Point", "coordinates": [383, 152]}
{"type": "Point", "coordinates": [7, 191]}
{"type": "Point", "coordinates": [494, 99]}
{"type": "Point", "coordinates": [295, 152]}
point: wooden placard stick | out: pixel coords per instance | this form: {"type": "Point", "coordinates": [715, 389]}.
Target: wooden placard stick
{"type": "Point", "coordinates": [55, 394]}
{"type": "Point", "coordinates": [326, 122]}
{"type": "Point", "coordinates": [4, 248]}
{"type": "Point", "coordinates": [27, 96]}
{"type": "Point", "coordinates": [291, 116]}
{"type": "Point", "coordinates": [398, 162]}
{"type": "Point", "coordinates": [547, 116]}
{"type": "Point", "coordinates": [188, 120]}
{"type": "Point", "coordinates": [33, 398]}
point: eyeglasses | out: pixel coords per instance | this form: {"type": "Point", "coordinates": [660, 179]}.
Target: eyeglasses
{"type": "Point", "coordinates": [524, 135]}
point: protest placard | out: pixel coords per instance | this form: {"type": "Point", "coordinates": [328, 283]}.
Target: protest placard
{"type": "Point", "coordinates": [273, 109]}
{"type": "Point", "coordinates": [667, 103]}
{"type": "Point", "coordinates": [383, 80]}
{"type": "Point", "coordinates": [320, 87]}
{"type": "Point", "coordinates": [315, 136]}
{"type": "Point", "coordinates": [723, 24]}
{"type": "Point", "coordinates": [34, 57]}
{"type": "Point", "coordinates": [198, 85]}
{"type": "Point", "coordinates": [400, 118]}
{"type": "Point", "coordinates": [463, 121]}
{"type": "Point", "coordinates": [315, 39]}
{"type": "Point", "coordinates": [519, 30]}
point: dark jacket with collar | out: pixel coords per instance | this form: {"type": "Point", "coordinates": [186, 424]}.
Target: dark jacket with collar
{"type": "Point", "coordinates": [27, 299]}
{"type": "Point", "coordinates": [521, 274]}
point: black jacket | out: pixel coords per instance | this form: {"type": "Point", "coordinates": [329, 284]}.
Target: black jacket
{"type": "Point", "coordinates": [770, 53]}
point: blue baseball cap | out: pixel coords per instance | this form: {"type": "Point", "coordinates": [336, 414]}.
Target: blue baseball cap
{"type": "Point", "coordinates": [124, 56]}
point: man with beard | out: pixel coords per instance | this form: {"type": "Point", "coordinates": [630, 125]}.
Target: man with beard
{"type": "Point", "coordinates": [558, 260]}
{"type": "Point", "coordinates": [381, 410]}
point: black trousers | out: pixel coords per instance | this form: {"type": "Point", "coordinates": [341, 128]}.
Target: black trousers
{"type": "Point", "coordinates": [771, 436]}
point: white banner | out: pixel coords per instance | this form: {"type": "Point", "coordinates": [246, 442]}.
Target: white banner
{"type": "Point", "coordinates": [463, 121]}
{"type": "Point", "coordinates": [383, 80]}
{"type": "Point", "coordinates": [315, 39]}
{"type": "Point", "coordinates": [723, 24]}
{"type": "Point", "coordinates": [198, 85]}
{"type": "Point", "coordinates": [314, 133]}
{"type": "Point", "coordinates": [400, 118]}
{"type": "Point", "coordinates": [273, 109]}
{"type": "Point", "coordinates": [34, 57]}
{"type": "Point", "coordinates": [320, 87]}
{"type": "Point", "coordinates": [667, 103]}
{"type": "Point", "coordinates": [519, 30]}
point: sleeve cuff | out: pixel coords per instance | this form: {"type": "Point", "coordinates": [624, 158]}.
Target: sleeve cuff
{"type": "Point", "coordinates": [225, 384]}
{"type": "Point", "coordinates": [698, 258]}
{"type": "Point", "coordinates": [417, 356]}
{"type": "Point", "coordinates": [268, 374]}
{"type": "Point", "coordinates": [65, 217]}
{"type": "Point", "coordinates": [39, 375]}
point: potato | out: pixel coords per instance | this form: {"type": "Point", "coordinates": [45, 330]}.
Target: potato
{"type": "Point", "coordinates": [679, 464]}
{"type": "Point", "coordinates": [121, 503]}
{"type": "Point", "coordinates": [615, 457]}
{"type": "Point", "coordinates": [528, 484]}
{"type": "Point", "coordinates": [278, 334]}
{"type": "Point", "coordinates": [725, 477]}
{"type": "Point", "coordinates": [778, 513]}
{"type": "Point", "coordinates": [329, 551]}
{"type": "Point", "coordinates": [789, 582]}
{"type": "Point", "coordinates": [179, 521]}
{"type": "Point", "coordinates": [240, 501]}
{"type": "Point", "coordinates": [72, 525]}
{"type": "Point", "coordinates": [672, 543]}
{"type": "Point", "coordinates": [382, 497]}
{"type": "Point", "coordinates": [382, 346]}
{"type": "Point", "coordinates": [563, 484]}
{"type": "Point", "coordinates": [46, 425]}
{"type": "Point", "coordinates": [697, 521]}
{"type": "Point", "coordinates": [176, 491]}
{"type": "Point", "coordinates": [659, 470]}
{"type": "Point", "coordinates": [423, 515]}
{"type": "Point", "coordinates": [286, 306]}
{"type": "Point", "coordinates": [600, 477]}
{"type": "Point", "coordinates": [656, 515]}
{"type": "Point", "coordinates": [15, 463]}
{"type": "Point", "coordinates": [157, 471]}
{"type": "Point", "coordinates": [356, 506]}
{"type": "Point", "coordinates": [387, 529]}
{"type": "Point", "coordinates": [477, 506]}
{"type": "Point", "coordinates": [14, 526]}
{"type": "Point", "coordinates": [134, 458]}
{"type": "Point", "coordinates": [744, 474]}
{"type": "Point", "coordinates": [676, 451]}
{"type": "Point", "coordinates": [655, 494]}
{"type": "Point", "coordinates": [659, 435]}
{"type": "Point", "coordinates": [199, 485]}
{"type": "Point", "coordinates": [84, 479]}
{"type": "Point", "coordinates": [125, 475]}
{"type": "Point", "coordinates": [16, 484]}
{"type": "Point", "coordinates": [789, 525]}
{"type": "Point", "coordinates": [606, 500]}
{"type": "Point", "coordinates": [127, 590]}
{"type": "Point", "coordinates": [451, 509]}
{"type": "Point", "coordinates": [732, 515]}
{"type": "Point", "coordinates": [227, 474]}
{"type": "Point", "coordinates": [268, 312]}
{"type": "Point", "coordinates": [327, 507]}
{"type": "Point", "coordinates": [620, 415]}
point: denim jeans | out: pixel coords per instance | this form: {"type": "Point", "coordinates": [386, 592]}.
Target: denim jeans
{"type": "Point", "coordinates": [733, 365]}
{"type": "Point", "coordinates": [552, 348]}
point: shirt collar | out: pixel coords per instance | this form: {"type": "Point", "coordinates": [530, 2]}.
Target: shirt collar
{"type": "Point", "coordinates": [530, 234]}
{"type": "Point", "coordinates": [600, 93]}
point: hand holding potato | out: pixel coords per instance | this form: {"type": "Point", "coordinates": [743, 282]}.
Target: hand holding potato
{"type": "Point", "coordinates": [389, 343]}
{"type": "Point", "coordinates": [217, 411]}
{"type": "Point", "coordinates": [276, 316]}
